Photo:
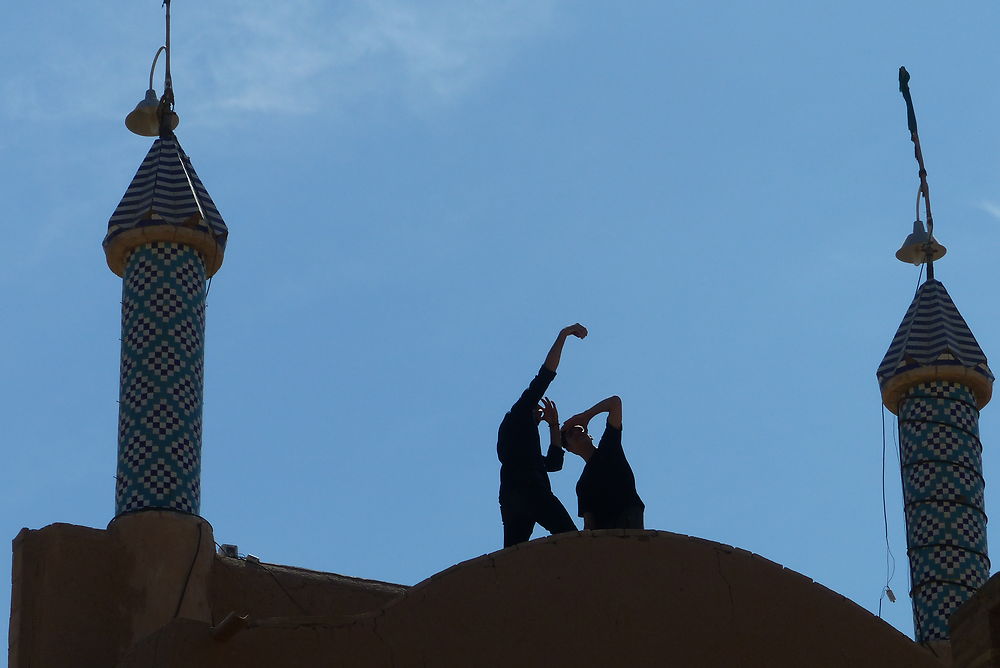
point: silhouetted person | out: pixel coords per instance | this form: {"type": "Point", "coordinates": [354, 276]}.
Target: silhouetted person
{"type": "Point", "coordinates": [606, 490]}
{"type": "Point", "coordinates": [525, 493]}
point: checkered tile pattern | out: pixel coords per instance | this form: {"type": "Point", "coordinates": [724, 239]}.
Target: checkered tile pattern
{"type": "Point", "coordinates": [163, 327]}
{"type": "Point", "coordinates": [943, 496]}
{"type": "Point", "coordinates": [943, 523]}
{"type": "Point", "coordinates": [939, 601]}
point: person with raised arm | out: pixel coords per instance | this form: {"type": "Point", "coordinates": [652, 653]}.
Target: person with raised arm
{"type": "Point", "coordinates": [605, 493]}
{"type": "Point", "coordinates": [526, 496]}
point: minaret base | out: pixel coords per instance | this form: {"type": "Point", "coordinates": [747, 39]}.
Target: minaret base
{"type": "Point", "coordinates": [82, 596]}
{"type": "Point", "coordinates": [171, 556]}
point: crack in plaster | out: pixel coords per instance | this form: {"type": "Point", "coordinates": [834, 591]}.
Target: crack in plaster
{"type": "Point", "coordinates": [493, 567]}
{"type": "Point", "coordinates": [392, 656]}
{"type": "Point", "coordinates": [729, 587]}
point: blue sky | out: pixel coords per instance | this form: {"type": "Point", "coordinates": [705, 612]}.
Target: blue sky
{"type": "Point", "coordinates": [420, 195]}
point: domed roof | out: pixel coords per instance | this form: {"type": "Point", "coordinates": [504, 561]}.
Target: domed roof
{"type": "Point", "coordinates": [594, 598]}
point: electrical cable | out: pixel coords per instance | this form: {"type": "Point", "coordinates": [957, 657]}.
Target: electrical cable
{"type": "Point", "coordinates": [931, 546]}
{"type": "Point", "coordinates": [895, 442]}
{"type": "Point", "coordinates": [897, 439]}
{"type": "Point", "coordinates": [955, 583]}
{"type": "Point", "coordinates": [909, 326]}
{"type": "Point", "coordinates": [187, 580]}
{"type": "Point", "coordinates": [282, 588]}
{"type": "Point", "coordinates": [890, 559]}
{"type": "Point", "coordinates": [152, 68]}
{"type": "Point", "coordinates": [951, 425]}
{"type": "Point", "coordinates": [946, 462]}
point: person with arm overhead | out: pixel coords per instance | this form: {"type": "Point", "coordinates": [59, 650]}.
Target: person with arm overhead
{"type": "Point", "coordinates": [606, 490]}
{"type": "Point", "coordinates": [526, 496]}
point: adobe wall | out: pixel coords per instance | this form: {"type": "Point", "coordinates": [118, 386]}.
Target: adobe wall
{"type": "Point", "coordinates": [81, 597]}
{"type": "Point", "coordinates": [975, 629]}
{"type": "Point", "coordinates": [269, 590]}
{"type": "Point", "coordinates": [641, 598]}
{"type": "Point", "coordinates": [55, 616]}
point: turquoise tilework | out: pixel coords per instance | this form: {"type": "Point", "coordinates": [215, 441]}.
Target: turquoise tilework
{"type": "Point", "coordinates": [943, 490]}
{"type": "Point", "coordinates": [160, 405]}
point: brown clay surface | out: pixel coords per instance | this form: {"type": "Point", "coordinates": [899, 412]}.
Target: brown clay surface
{"type": "Point", "coordinates": [615, 598]}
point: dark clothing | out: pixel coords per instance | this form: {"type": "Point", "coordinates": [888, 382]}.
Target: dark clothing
{"type": "Point", "coordinates": [520, 510]}
{"type": "Point", "coordinates": [630, 518]}
{"type": "Point", "coordinates": [525, 493]}
{"type": "Point", "coordinates": [518, 447]}
{"type": "Point", "coordinates": [606, 488]}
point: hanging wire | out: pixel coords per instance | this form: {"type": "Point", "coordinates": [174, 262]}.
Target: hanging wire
{"type": "Point", "coordinates": [187, 579]}
{"type": "Point", "coordinates": [282, 588]}
{"type": "Point", "coordinates": [890, 559]}
{"type": "Point", "coordinates": [909, 327]}
{"type": "Point", "coordinates": [895, 442]}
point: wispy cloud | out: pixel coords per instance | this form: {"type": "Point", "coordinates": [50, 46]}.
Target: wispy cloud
{"type": "Point", "coordinates": [300, 55]}
{"type": "Point", "coordinates": [991, 208]}
{"type": "Point", "coordinates": [289, 57]}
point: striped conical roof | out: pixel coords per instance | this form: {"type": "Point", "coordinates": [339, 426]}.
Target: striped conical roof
{"type": "Point", "coordinates": [933, 333]}
{"type": "Point", "coordinates": [165, 191]}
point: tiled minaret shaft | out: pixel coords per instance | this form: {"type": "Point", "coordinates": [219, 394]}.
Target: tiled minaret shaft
{"type": "Point", "coordinates": [935, 378]}
{"type": "Point", "coordinates": [165, 238]}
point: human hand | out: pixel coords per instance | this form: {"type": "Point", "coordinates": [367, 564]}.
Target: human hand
{"type": "Point", "coordinates": [549, 412]}
{"type": "Point", "coordinates": [576, 329]}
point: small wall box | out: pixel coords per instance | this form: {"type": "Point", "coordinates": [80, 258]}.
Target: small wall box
{"type": "Point", "coordinates": [230, 551]}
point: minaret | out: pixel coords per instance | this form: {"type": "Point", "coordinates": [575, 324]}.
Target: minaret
{"type": "Point", "coordinates": [165, 239]}
{"type": "Point", "coordinates": [935, 378]}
